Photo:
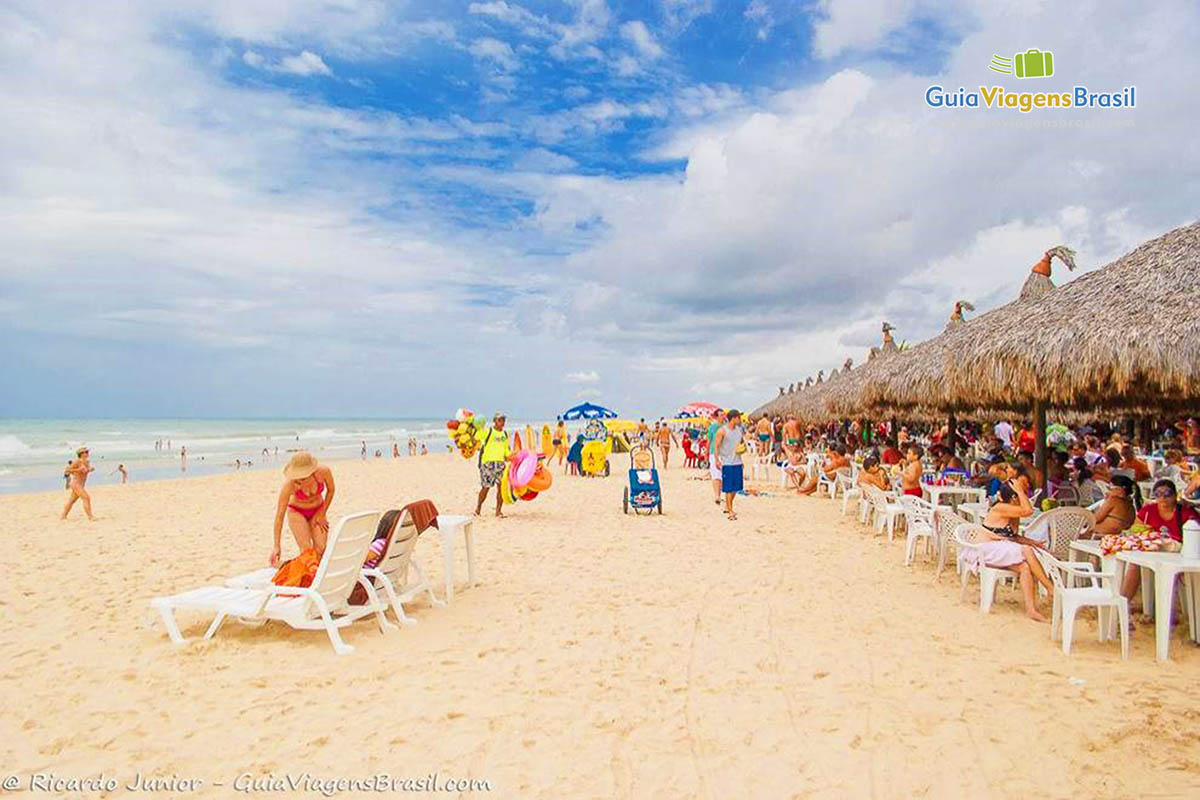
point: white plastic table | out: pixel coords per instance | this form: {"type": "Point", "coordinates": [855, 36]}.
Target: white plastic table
{"type": "Point", "coordinates": [935, 493]}
{"type": "Point", "coordinates": [1166, 567]}
{"type": "Point", "coordinates": [448, 525]}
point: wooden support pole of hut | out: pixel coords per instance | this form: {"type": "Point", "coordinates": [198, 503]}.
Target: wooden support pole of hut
{"type": "Point", "coordinates": [952, 430]}
{"type": "Point", "coordinates": [1039, 432]}
{"type": "Point", "coordinates": [1145, 434]}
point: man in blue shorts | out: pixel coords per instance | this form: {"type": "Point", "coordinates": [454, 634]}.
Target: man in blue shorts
{"type": "Point", "coordinates": [727, 458]}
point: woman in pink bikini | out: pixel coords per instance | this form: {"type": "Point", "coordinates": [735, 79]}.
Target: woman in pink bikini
{"type": "Point", "coordinates": [305, 498]}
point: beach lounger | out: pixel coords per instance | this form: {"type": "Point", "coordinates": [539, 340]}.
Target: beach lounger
{"type": "Point", "coordinates": [323, 606]}
{"type": "Point", "coordinates": [391, 573]}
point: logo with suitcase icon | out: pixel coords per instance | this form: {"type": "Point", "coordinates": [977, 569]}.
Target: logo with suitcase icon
{"type": "Point", "coordinates": [1033, 63]}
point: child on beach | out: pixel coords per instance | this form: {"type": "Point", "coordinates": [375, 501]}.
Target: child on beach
{"type": "Point", "coordinates": [78, 472]}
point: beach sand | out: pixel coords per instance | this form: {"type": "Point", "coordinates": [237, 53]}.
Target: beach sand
{"type": "Point", "coordinates": [787, 654]}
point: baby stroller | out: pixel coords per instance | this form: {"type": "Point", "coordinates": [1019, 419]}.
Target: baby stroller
{"type": "Point", "coordinates": [643, 492]}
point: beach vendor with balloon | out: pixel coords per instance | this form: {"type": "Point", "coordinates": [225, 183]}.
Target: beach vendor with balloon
{"type": "Point", "coordinates": [517, 474]}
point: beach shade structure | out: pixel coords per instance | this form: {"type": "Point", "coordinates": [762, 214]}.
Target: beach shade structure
{"type": "Point", "coordinates": [588, 411]}
{"type": "Point", "coordinates": [698, 409]}
{"type": "Point", "coordinates": [1122, 337]}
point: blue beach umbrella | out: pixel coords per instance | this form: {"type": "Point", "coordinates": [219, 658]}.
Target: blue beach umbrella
{"type": "Point", "coordinates": [588, 411]}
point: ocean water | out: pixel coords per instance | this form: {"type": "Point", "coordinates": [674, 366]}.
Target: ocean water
{"type": "Point", "coordinates": [33, 452]}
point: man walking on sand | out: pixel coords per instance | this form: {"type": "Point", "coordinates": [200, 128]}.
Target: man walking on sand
{"type": "Point", "coordinates": [728, 460]}
{"type": "Point", "coordinates": [494, 450]}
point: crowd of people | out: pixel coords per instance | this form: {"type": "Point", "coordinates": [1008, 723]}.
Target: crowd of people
{"type": "Point", "coordinates": [1093, 466]}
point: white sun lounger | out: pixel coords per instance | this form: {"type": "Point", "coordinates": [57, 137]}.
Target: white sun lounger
{"type": "Point", "coordinates": [391, 573]}
{"type": "Point", "coordinates": [323, 606]}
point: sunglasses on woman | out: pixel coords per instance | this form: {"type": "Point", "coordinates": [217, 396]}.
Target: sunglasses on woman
{"type": "Point", "coordinates": [1164, 493]}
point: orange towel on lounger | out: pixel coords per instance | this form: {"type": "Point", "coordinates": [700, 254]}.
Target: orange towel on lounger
{"type": "Point", "coordinates": [298, 571]}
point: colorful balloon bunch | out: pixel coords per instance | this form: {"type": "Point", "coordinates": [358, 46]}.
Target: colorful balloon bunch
{"type": "Point", "coordinates": [462, 430]}
{"type": "Point", "coordinates": [524, 478]}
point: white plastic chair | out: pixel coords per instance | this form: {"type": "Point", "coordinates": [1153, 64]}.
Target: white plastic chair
{"type": "Point", "coordinates": [945, 522]}
{"type": "Point", "coordinates": [968, 537]}
{"type": "Point", "coordinates": [760, 468]}
{"type": "Point", "coordinates": [1065, 525]}
{"type": "Point", "coordinates": [918, 523]}
{"type": "Point", "coordinates": [829, 483]}
{"type": "Point", "coordinates": [850, 495]}
{"type": "Point", "coordinates": [392, 572]}
{"type": "Point", "coordinates": [885, 510]}
{"type": "Point", "coordinates": [1101, 591]}
{"type": "Point", "coordinates": [322, 606]}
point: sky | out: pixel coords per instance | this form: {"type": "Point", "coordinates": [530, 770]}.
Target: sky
{"type": "Point", "coordinates": [364, 208]}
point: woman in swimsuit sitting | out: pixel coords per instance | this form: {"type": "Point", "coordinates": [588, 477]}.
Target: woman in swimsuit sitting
{"type": "Point", "coordinates": [304, 498]}
{"type": "Point", "coordinates": [1119, 509]}
{"type": "Point", "coordinates": [1004, 549]}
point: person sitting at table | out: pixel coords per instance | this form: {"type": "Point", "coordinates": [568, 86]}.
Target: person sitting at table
{"type": "Point", "coordinates": [1164, 514]}
{"type": "Point", "coordinates": [910, 477]}
{"type": "Point", "coordinates": [1056, 468]}
{"type": "Point", "coordinates": [1102, 469]}
{"type": "Point", "coordinates": [835, 459]}
{"type": "Point", "coordinates": [1119, 508]}
{"type": "Point", "coordinates": [1173, 468]}
{"type": "Point", "coordinates": [873, 475]}
{"type": "Point", "coordinates": [1003, 548]}
{"type": "Point", "coordinates": [995, 474]}
{"type": "Point", "coordinates": [1141, 470]}
{"type": "Point", "coordinates": [1035, 474]}
{"type": "Point", "coordinates": [794, 469]}
{"type": "Point", "coordinates": [1086, 487]}
{"type": "Point", "coordinates": [891, 454]}
{"type": "Point", "coordinates": [1191, 492]}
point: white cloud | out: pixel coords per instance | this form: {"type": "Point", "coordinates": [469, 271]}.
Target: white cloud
{"type": "Point", "coordinates": [306, 63]}
{"type": "Point", "coordinates": [542, 160]}
{"type": "Point", "coordinates": [680, 14]}
{"type": "Point", "coordinates": [588, 394]}
{"type": "Point", "coordinates": [583, 376]}
{"type": "Point", "coordinates": [636, 32]}
{"type": "Point", "coordinates": [171, 212]}
{"type": "Point", "coordinates": [759, 12]}
{"type": "Point", "coordinates": [499, 53]}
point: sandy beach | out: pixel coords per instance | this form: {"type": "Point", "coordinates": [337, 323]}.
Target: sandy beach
{"type": "Point", "coordinates": [787, 654]}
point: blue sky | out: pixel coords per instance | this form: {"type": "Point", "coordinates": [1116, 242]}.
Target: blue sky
{"type": "Point", "coordinates": [358, 207]}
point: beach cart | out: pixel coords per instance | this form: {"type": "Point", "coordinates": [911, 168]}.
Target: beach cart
{"type": "Point", "coordinates": [643, 494]}
{"type": "Point", "coordinates": [596, 448]}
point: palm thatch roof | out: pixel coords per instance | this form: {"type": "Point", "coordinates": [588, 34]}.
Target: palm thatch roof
{"type": "Point", "coordinates": [1125, 336]}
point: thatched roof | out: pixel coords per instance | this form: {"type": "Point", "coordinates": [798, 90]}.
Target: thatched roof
{"type": "Point", "coordinates": [1124, 336]}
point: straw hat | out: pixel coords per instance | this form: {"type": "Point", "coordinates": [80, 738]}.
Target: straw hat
{"type": "Point", "coordinates": [300, 466]}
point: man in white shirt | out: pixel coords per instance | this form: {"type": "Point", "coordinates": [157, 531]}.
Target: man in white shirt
{"type": "Point", "coordinates": [1004, 432]}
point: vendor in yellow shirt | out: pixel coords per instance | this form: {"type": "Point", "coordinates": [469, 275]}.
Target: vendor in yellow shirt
{"type": "Point", "coordinates": [494, 450]}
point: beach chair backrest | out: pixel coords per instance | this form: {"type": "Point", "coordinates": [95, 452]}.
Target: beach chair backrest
{"type": "Point", "coordinates": [1066, 524]}
{"type": "Point", "coordinates": [399, 552]}
{"type": "Point", "coordinates": [916, 509]}
{"type": "Point", "coordinates": [345, 550]}
{"type": "Point", "coordinates": [946, 522]}
{"type": "Point", "coordinates": [971, 534]}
